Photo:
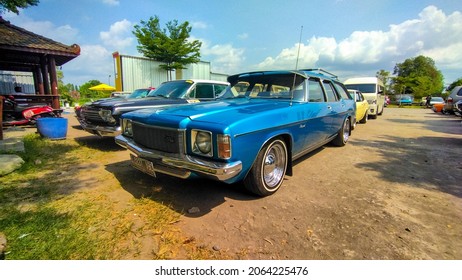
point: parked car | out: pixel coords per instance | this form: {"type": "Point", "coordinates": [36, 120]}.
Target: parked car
{"type": "Point", "coordinates": [120, 93]}
{"type": "Point", "coordinates": [140, 93]}
{"type": "Point", "coordinates": [362, 107]}
{"type": "Point", "coordinates": [437, 108]}
{"type": "Point", "coordinates": [263, 121]}
{"type": "Point", "coordinates": [423, 101]}
{"type": "Point", "coordinates": [405, 100]}
{"type": "Point", "coordinates": [458, 108]}
{"type": "Point", "coordinates": [436, 100]}
{"type": "Point", "coordinates": [102, 117]}
{"type": "Point", "coordinates": [387, 101]}
{"type": "Point", "coordinates": [433, 100]}
{"type": "Point", "coordinates": [137, 93]}
{"type": "Point", "coordinates": [453, 98]}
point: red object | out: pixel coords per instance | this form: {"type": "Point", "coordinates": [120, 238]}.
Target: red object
{"type": "Point", "coordinates": [438, 108]}
{"type": "Point", "coordinates": [13, 114]}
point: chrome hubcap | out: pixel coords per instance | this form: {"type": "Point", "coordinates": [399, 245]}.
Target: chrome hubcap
{"type": "Point", "coordinates": [346, 131]}
{"type": "Point", "coordinates": [274, 165]}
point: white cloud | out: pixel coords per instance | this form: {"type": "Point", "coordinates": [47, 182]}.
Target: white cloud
{"type": "Point", "coordinates": [225, 58]}
{"type": "Point", "coordinates": [199, 25]}
{"type": "Point", "coordinates": [111, 2]}
{"type": "Point", "coordinates": [94, 63]}
{"type": "Point", "coordinates": [119, 37]}
{"type": "Point", "coordinates": [433, 34]}
{"type": "Point", "coordinates": [243, 36]}
{"type": "Point", "coordinates": [65, 34]}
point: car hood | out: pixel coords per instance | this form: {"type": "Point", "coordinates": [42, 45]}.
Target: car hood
{"type": "Point", "coordinates": [223, 113]}
{"type": "Point", "coordinates": [134, 102]}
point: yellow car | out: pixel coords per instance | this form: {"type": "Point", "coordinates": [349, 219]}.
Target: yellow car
{"type": "Point", "coordinates": [362, 106]}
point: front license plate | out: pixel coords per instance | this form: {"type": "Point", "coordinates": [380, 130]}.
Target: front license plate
{"type": "Point", "coordinates": [144, 165]}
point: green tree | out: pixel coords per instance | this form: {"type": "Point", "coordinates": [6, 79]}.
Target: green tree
{"type": "Point", "coordinates": [86, 93]}
{"type": "Point", "coordinates": [457, 82]}
{"type": "Point", "coordinates": [15, 5]}
{"type": "Point", "coordinates": [66, 91]}
{"type": "Point", "coordinates": [385, 77]}
{"type": "Point", "coordinates": [169, 45]}
{"type": "Point", "coordinates": [417, 76]}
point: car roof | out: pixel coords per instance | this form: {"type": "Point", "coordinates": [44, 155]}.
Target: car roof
{"type": "Point", "coordinates": [200, 81]}
{"type": "Point", "coordinates": [319, 73]}
{"type": "Point", "coordinates": [363, 80]}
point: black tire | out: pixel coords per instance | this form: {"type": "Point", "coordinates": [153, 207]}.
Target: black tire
{"type": "Point", "coordinates": [343, 134]}
{"type": "Point", "coordinates": [268, 171]}
{"type": "Point", "coordinates": [373, 116]}
{"type": "Point", "coordinates": [364, 119]}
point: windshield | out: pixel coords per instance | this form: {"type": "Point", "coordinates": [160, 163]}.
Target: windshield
{"type": "Point", "coordinates": [364, 88]}
{"type": "Point", "coordinates": [280, 86]}
{"type": "Point", "coordinates": [139, 93]}
{"type": "Point", "coordinates": [172, 89]}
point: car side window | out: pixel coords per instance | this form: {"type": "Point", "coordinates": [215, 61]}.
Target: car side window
{"type": "Point", "coordinates": [344, 94]}
{"type": "Point", "coordinates": [217, 89]}
{"type": "Point", "coordinates": [315, 93]}
{"type": "Point", "coordinates": [331, 96]}
{"type": "Point", "coordinates": [203, 91]}
{"type": "Point", "coordinates": [460, 92]}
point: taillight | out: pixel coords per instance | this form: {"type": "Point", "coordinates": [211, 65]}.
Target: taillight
{"type": "Point", "coordinates": [450, 100]}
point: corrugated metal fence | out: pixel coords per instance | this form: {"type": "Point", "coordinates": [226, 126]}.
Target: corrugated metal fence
{"type": "Point", "coordinates": [140, 72]}
{"type": "Point", "coordinates": [9, 80]}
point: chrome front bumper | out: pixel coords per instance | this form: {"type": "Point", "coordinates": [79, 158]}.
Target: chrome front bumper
{"type": "Point", "coordinates": [183, 165]}
{"type": "Point", "coordinates": [103, 131]}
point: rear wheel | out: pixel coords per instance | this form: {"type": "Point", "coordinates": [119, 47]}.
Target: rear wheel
{"type": "Point", "coordinates": [268, 171]}
{"type": "Point", "coordinates": [364, 119]}
{"type": "Point", "coordinates": [343, 134]}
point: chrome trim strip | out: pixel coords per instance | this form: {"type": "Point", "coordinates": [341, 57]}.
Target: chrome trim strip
{"type": "Point", "coordinates": [111, 131]}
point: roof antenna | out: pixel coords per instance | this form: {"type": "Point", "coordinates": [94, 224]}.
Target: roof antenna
{"type": "Point", "coordinates": [299, 44]}
{"type": "Point", "coordinates": [296, 66]}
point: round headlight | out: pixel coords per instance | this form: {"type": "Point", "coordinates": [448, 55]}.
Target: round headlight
{"type": "Point", "coordinates": [127, 128]}
{"type": "Point", "coordinates": [204, 142]}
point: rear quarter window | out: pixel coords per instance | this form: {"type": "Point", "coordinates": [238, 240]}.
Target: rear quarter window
{"type": "Point", "coordinates": [330, 91]}
{"type": "Point", "coordinates": [315, 93]}
{"type": "Point", "coordinates": [342, 91]}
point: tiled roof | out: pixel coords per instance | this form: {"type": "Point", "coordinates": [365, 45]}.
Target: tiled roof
{"type": "Point", "coordinates": [19, 42]}
{"type": "Point", "coordinates": [18, 37]}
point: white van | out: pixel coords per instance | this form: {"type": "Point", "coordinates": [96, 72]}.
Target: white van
{"type": "Point", "coordinates": [373, 90]}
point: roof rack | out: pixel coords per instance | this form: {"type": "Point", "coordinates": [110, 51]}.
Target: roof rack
{"type": "Point", "coordinates": [321, 71]}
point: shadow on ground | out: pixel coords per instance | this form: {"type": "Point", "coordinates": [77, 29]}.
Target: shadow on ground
{"type": "Point", "coordinates": [418, 161]}
{"type": "Point", "coordinates": [184, 196]}
{"type": "Point", "coordinates": [106, 144]}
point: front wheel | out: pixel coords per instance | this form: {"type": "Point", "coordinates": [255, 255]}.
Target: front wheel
{"type": "Point", "coordinates": [343, 134]}
{"type": "Point", "coordinates": [268, 171]}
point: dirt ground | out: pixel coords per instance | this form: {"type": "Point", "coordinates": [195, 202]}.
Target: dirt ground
{"type": "Point", "coordinates": [393, 192]}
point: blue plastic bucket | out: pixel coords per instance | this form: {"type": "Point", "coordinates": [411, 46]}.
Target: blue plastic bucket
{"type": "Point", "coordinates": [53, 128]}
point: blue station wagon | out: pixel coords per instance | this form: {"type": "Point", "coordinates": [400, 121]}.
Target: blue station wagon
{"type": "Point", "coordinates": [252, 133]}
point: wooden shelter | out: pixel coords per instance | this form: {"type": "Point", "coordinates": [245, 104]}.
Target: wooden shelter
{"type": "Point", "coordinates": [22, 50]}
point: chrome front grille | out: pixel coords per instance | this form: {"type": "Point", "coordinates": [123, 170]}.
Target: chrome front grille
{"type": "Point", "coordinates": [91, 114]}
{"type": "Point", "coordinates": [158, 138]}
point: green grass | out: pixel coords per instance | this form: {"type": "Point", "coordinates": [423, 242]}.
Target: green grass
{"type": "Point", "coordinates": [42, 219]}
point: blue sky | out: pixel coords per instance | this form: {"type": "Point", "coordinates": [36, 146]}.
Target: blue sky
{"type": "Point", "coordinates": [347, 37]}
